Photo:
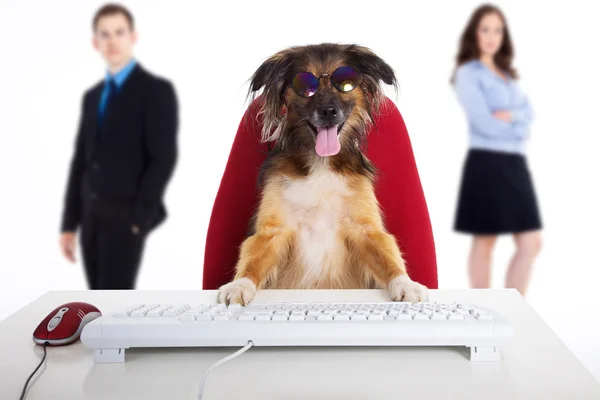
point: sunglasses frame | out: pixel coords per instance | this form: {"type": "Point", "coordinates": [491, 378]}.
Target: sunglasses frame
{"type": "Point", "coordinates": [318, 78]}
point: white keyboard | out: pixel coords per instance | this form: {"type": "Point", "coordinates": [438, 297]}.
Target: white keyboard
{"type": "Point", "coordinates": [298, 324]}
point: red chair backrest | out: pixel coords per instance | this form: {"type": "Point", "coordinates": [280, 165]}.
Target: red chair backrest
{"type": "Point", "coordinates": [398, 189]}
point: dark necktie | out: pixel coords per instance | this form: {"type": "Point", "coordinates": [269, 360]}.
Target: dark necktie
{"type": "Point", "coordinates": [110, 96]}
{"type": "Point", "coordinates": [112, 93]}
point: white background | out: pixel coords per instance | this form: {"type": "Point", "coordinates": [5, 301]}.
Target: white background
{"type": "Point", "coordinates": [210, 49]}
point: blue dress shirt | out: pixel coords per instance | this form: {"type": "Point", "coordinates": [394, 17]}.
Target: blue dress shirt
{"type": "Point", "coordinates": [481, 92]}
{"type": "Point", "coordinates": [119, 78]}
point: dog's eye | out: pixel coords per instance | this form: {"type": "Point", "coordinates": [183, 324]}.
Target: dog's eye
{"type": "Point", "coordinates": [305, 84]}
{"type": "Point", "coordinates": [344, 79]}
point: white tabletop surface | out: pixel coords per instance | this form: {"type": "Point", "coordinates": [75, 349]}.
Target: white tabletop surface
{"type": "Point", "coordinates": [536, 365]}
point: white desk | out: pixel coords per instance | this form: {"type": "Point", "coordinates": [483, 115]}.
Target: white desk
{"type": "Point", "coordinates": [537, 365]}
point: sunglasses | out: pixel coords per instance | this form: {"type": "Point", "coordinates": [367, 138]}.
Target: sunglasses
{"type": "Point", "coordinates": [344, 79]}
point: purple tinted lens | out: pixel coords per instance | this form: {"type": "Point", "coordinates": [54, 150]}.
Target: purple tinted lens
{"type": "Point", "coordinates": [305, 84]}
{"type": "Point", "coordinates": [344, 79]}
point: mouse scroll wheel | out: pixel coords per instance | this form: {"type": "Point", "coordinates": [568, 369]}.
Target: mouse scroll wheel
{"type": "Point", "coordinates": [53, 322]}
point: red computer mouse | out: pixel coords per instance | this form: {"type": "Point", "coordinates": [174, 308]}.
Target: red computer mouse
{"type": "Point", "coordinates": [64, 324]}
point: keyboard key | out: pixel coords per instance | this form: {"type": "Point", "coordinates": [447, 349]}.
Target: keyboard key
{"type": "Point", "coordinates": [254, 309]}
{"type": "Point", "coordinates": [157, 312]}
{"type": "Point", "coordinates": [121, 314]}
{"type": "Point", "coordinates": [127, 312]}
{"type": "Point", "coordinates": [342, 317]}
{"type": "Point", "coordinates": [256, 313]}
{"type": "Point", "coordinates": [438, 316]}
{"type": "Point", "coordinates": [133, 308]}
{"type": "Point", "coordinates": [139, 313]}
{"type": "Point", "coordinates": [246, 317]}
{"type": "Point", "coordinates": [324, 317]}
{"type": "Point", "coordinates": [359, 317]}
{"type": "Point", "coordinates": [484, 316]}
{"type": "Point", "coordinates": [280, 316]}
{"type": "Point", "coordinates": [263, 317]}
{"type": "Point", "coordinates": [187, 318]}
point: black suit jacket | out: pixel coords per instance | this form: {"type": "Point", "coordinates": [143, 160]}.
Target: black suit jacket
{"type": "Point", "coordinates": [130, 157]}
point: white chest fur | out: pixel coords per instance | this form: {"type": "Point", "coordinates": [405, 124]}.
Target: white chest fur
{"type": "Point", "coordinates": [314, 207]}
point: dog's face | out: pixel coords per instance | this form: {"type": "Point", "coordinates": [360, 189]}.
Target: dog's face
{"type": "Point", "coordinates": [320, 96]}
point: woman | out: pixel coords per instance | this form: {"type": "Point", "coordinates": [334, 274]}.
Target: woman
{"type": "Point", "coordinates": [496, 194]}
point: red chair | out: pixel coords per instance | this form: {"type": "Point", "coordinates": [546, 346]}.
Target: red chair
{"type": "Point", "coordinates": [398, 190]}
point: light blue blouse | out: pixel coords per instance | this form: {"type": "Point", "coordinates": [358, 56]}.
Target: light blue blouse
{"type": "Point", "coordinates": [481, 92]}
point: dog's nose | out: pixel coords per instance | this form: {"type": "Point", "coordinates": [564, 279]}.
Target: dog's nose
{"type": "Point", "coordinates": [328, 112]}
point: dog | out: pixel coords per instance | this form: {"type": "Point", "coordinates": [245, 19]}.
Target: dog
{"type": "Point", "coordinates": [318, 224]}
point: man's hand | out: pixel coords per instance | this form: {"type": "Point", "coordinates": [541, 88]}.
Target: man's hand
{"type": "Point", "coordinates": [68, 245]}
{"type": "Point", "coordinates": [503, 115]}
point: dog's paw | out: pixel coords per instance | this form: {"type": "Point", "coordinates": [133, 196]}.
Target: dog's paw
{"type": "Point", "coordinates": [402, 288]}
{"type": "Point", "coordinates": [241, 291]}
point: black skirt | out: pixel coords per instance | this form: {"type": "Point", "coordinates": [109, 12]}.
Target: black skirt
{"type": "Point", "coordinates": [497, 195]}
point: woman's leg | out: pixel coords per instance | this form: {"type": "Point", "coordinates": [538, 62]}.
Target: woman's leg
{"type": "Point", "coordinates": [519, 271]}
{"type": "Point", "coordinates": [480, 261]}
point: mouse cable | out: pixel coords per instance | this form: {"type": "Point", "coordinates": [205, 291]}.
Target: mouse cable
{"type": "Point", "coordinates": [221, 361]}
{"type": "Point", "coordinates": [33, 373]}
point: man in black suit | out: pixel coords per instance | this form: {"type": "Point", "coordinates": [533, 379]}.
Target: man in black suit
{"type": "Point", "coordinates": [125, 155]}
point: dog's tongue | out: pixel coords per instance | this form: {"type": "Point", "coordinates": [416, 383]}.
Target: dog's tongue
{"type": "Point", "coordinates": [328, 143]}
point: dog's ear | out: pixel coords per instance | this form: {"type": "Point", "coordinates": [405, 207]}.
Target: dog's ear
{"type": "Point", "coordinates": [272, 75]}
{"type": "Point", "coordinates": [372, 65]}
{"type": "Point", "coordinates": [373, 70]}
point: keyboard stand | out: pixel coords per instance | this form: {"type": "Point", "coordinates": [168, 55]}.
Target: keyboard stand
{"type": "Point", "coordinates": [485, 353]}
{"type": "Point", "coordinates": [109, 355]}
{"type": "Point", "coordinates": [477, 354]}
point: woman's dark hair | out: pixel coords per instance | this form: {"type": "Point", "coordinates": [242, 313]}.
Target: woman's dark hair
{"type": "Point", "coordinates": [469, 48]}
